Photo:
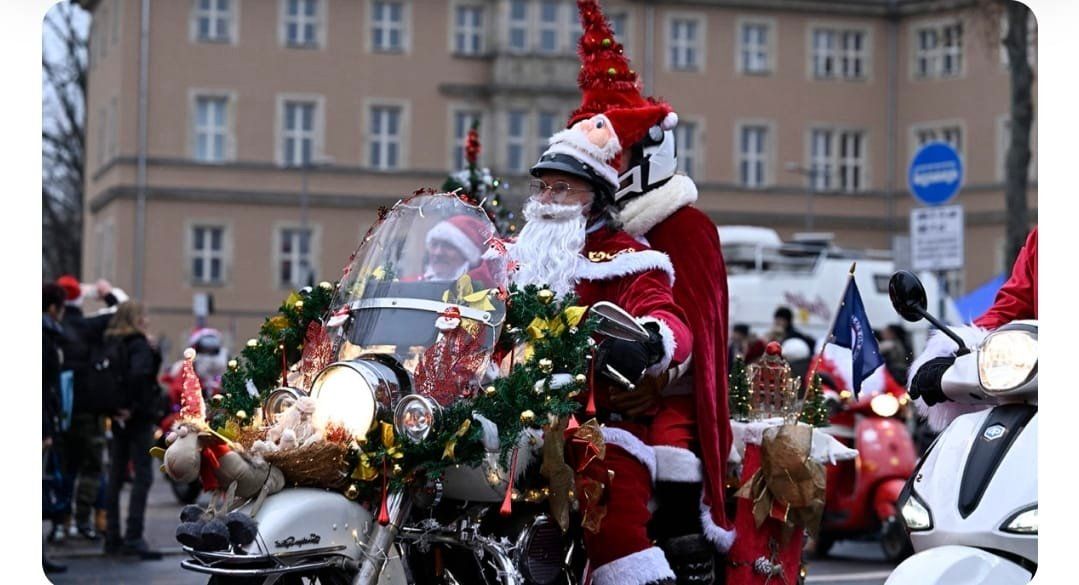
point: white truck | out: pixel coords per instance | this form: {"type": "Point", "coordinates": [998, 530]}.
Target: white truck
{"type": "Point", "coordinates": [808, 275]}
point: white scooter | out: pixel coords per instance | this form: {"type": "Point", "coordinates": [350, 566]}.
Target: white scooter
{"type": "Point", "coordinates": [971, 505]}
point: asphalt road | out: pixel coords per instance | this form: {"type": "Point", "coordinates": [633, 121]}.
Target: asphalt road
{"type": "Point", "coordinates": [851, 563]}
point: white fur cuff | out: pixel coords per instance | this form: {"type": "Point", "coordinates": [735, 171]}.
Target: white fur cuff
{"type": "Point", "coordinates": [632, 445]}
{"type": "Point", "coordinates": [720, 537]}
{"type": "Point", "coordinates": [638, 568]}
{"type": "Point", "coordinates": [676, 464]}
{"type": "Point", "coordinates": [940, 345]}
{"type": "Point", "coordinates": [669, 346]}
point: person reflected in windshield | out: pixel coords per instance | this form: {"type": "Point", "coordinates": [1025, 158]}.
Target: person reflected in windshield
{"type": "Point", "coordinates": [454, 247]}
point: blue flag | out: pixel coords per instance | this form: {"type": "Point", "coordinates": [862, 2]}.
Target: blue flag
{"type": "Point", "coordinates": [853, 331]}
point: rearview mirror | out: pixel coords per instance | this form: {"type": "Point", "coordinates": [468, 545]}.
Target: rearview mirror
{"type": "Point", "coordinates": [908, 296]}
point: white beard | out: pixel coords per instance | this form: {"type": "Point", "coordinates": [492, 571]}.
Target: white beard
{"type": "Point", "coordinates": [549, 245]}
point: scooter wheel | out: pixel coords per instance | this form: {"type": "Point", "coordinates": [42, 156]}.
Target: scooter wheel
{"type": "Point", "coordinates": [894, 540]}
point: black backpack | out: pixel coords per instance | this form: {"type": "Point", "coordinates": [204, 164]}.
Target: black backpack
{"type": "Point", "coordinates": [106, 377]}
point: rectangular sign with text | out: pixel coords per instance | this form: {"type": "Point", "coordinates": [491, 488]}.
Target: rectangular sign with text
{"type": "Point", "coordinates": [936, 238]}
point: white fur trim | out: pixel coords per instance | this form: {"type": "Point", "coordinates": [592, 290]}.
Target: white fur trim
{"type": "Point", "coordinates": [632, 445]}
{"type": "Point", "coordinates": [577, 139]}
{"type": "Point", "coordinates": [121, 296]}
{"type": "Point", "coordinates": [676, 464]}
{"type": "Point", "coordinates": [670, 345]}
{"type": "Point", "coordinates": [639, 568]}
{"type": "Point", "coordinates": [489, 437]}
{"type": "Point", "coordinates": [641, 214]}
{"type": "Point", "coordinates": [670, 121]}
{"type": "Point", "coordinates": [624, 265]}
{"type": "Point", "coordinates": [716, 534]}
{"type": "Point", "coordinates": [605, 170]}
{"type": "Point", "coordinates": [940, 345]}
{"type": "Point", "coordinates": [526, 452]}
{"type": "Point", "coordinates": [448, 232]}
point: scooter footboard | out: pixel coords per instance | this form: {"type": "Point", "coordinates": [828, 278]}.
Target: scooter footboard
{"type": "Point", "coordinates": [958, 565]}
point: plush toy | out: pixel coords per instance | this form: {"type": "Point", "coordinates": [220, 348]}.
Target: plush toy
{"type": "Point", "coordinates": [293, 428]}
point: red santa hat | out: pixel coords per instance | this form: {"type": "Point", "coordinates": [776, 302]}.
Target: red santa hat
{"type": "Point", "coordinates": [611, 98]}
{"type": "Point", "coordinates": [71, 286]}
{"type": "Point", "coordinates": [465, 233]}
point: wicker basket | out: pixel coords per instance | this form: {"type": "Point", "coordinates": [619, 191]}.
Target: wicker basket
{"type": "Point", "coordinates": [322, 464]}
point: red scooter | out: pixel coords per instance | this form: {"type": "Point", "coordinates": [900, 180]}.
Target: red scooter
{"type": "Point", "coordinates": [862, 493]}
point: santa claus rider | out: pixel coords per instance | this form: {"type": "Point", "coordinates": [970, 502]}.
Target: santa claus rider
{"type": "Point", "coordinates": [685, 408]}
{"type": "Point", "coordinates": [1017, 299]}
{"type": "Point", "coordinates": [571, 244]}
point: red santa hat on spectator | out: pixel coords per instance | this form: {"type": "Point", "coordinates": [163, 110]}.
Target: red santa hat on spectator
{"type": "Point", "coordinates": [71, 286]}
{"type": "Point", "coordinates": [465, 233]}
{"type": "Point", "coordinates": [613, 115]}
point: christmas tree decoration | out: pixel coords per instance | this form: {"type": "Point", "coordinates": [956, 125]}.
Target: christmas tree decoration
{"type": "Point", "coordinates": [814, 409]}
{"type": "Point", "coordinates": [740, 394]}
{"type": "Point", "coordinates": [478, 185]}
{"type": "Point", "coordinates": [192, 408]}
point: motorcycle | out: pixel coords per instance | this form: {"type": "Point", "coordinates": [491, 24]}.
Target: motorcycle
{"type": "Point", "coordinates": [971, 505]}
{"type": "Point", "coordinates": [862, 493]}
{"type": "Point", "coordinates": [446, 530]}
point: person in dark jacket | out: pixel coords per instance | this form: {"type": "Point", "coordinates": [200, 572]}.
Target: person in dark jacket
{"type": "Point", "coordinates": [132, 431]}
{"type": "Point", "coordinates": [84, 440]}
{"type": "Point", "coordinates": [52, 362]}
{"type": "Point", "coordinates": [783, 328]}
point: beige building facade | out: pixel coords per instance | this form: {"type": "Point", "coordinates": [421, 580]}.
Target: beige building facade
{"type": "Point", "coordinates": [269, 131]}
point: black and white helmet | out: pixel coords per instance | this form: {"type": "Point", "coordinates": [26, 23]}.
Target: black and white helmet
{"type": "Point", "coordinates": [653, 161]}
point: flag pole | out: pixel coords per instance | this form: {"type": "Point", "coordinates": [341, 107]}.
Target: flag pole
{"type": "Point", "coordinates": [828, 338]}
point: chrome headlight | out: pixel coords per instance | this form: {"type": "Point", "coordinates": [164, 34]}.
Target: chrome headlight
{"type": "Point", "coordinates": [884, 405]}
{"type": "Point", "coordinates": [1025, 522]}
{"type": "Point", "coordinates": [1007, 359]}
{"type": "Point", "coordinates": [345, 397]}
{"type": "Point", "coordinates": [415, 417]}
{"type": "Point", "coordinates": [915, 515]}
{"type": "Point", "coordinates": [279, 401]}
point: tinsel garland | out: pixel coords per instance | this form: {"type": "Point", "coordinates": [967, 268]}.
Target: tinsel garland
{"type": "Point", "coordinates": [261, 360]}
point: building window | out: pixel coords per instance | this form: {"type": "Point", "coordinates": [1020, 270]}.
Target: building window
{"type": "Point", "coordinates": [302, 23]}
{"type": "Point", "coordinates": [752, 155]}
{"type": "Point", "coordinates": [516, 123]}
{"type": "Point", "coordinates": [939, 51]}
{"type": "Point", "coordinates": [548, 26]}
{"type": "Point", "coordinates": [837, 159]}
{"type": "Point", "coordinates": [754, 39]}
{"type": "Point", "coordinates": [207, 254]}
{"type": "Point", "coordinates": [388, 26]}
{"type": "Point", "coordinates": [839, 54]}
{"type": "Point", "coordinates": [211, 128]}
{"type": "Point", "coordinates": [462, 123]}
{"type": "Point", "coordinates": [684, 44]}
{"type": "Point", "coordinates": [299, 132]}
{"type": "Point", "coordinates": [517, 26]}
{"type": "Point", "coordinates": [213, 20]}
{"type": "Point", "coordinates": [295, 264]}
{"type": "Point", "coordinates": [686, 139]}
{"type": "Point", "coordinates": [385, 138]}
{"type": "Point", "coordinates": [546, 126]}
{"type": "Point", "coordinates": [952, 134]}
{"type": "Point", "coordinates": [469, 30]}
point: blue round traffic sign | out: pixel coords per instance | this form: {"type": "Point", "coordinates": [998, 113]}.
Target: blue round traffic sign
{"type": "Point", "coordinates": [935, 173]}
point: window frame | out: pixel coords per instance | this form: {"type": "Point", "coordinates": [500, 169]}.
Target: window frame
{"type": "Point", "coordinates": [840, 54]}
{"type": "Point", "coordinates": [768, 47]}
{"type": "Point", "coordinates": [191, 253]}
{"type": "Point", "coordinates": [519, 141]}
{"type": "Point", "coordinates": [938, 127]}
{"type": "Point", "coordinates": [278, 254]}
{"type": "Point", "coordinates": [834, 160]}
{"type": "Point", "coordinates": [401, 138]}
{"type": "Point", "coordinates": [927, 63]}
{"type": "Point", "coordinates": [457, 149]}
{"type": "Point", "coordinates": [766, 156]}
{"type": "Point", "coordinates": [229, 142]}
{"type": "Point", "coordinates": [699, 44]}
{"type": "Point", "coordinates": [318, 127]}
{"type": "Point", "coordinates": [231, 32]}
{"type": "Point", "coordinates": [696, 158]}
{"type": "Point", "coordinates": [541, 26]}
{"type": "Point", "coordinates": [404, 29]}
{"type": "Point", "coordinates": [524, 24]}
{"type": "Point", "coordinates": [319, 21]}
{"type": "Point", "coordinates": [541, 136]}
{"type": "Point", "coordinates": [470, 32]}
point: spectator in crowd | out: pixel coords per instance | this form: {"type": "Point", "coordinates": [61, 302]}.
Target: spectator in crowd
{"type": "Point", "coordinates": [84, 440]}
{"type": "Point", "coordinates": [895, 348]}
{"type": "Point", "coordinates": [744, 343]}
{"type": "Point", "coordinates": [132, 430]}
{"type": "Point", "coordinates": [52, 362]}
{"type": "Point", "coordinates": [783, 328]}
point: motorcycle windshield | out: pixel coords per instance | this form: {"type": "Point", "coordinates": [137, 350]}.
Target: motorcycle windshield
{"type": "Point", "coordinates": [424, 288]}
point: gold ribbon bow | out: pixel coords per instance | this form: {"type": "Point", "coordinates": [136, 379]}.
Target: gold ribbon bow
{"type": "Point", "coordinates": [364, 470]}
{"type": "Point", "coordinates": [540, 327]}
{"type": "Point", "coordinates": [452, 443]}
{"type": "Point", "coordinates": [465, 294]}
{"type": "Point", "coordinates": [789, 486]}
{"type": "Point", "coordinates": [389, 441]}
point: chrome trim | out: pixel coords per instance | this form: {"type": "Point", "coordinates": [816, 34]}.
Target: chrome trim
{"type": "Point", "coordinates": [436, 416]}
{"type": "Point", "coordinates": [277, 395]}
{"type": "Point", "coordinates": [198, 567]}
{"type": "Point", "coordinates": [430, 306]}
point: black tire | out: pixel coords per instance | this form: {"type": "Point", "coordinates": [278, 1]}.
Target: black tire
{"type": "Point", "coordinates": [823, 546]}
{"type": "Point", "coordinates": [894, 541]}
{"type": "Point", "coordinates": [323, 577]}
{"type": "Point", "coordinates": [186, 493]}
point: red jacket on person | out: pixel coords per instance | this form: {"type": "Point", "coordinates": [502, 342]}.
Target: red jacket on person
{"type": "Point", "coordinates": [1018, 297]}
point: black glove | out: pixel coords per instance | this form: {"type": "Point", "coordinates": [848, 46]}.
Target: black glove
{"type": "Point", "coordinates": [630, 358]}
{"type": "Point", "coordinates": [926, 383]}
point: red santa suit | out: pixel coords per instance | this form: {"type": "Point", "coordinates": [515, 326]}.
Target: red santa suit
{"type": "Point", "coordinates": [1017, 299]}
{"type": "Point", "coordinates": [615, 267]}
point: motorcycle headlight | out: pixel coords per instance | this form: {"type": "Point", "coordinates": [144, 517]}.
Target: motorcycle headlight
{"type": "Point", "coordinates": [279, 401]}
{"type": "Point", "coordinates": [345, 397]}
{"type": "Point", "coordinates": [884, 405]}
{"type": "Point", "coordinates": [1007, 359]}
{"type": "Point", "coordinates": [415, 417]}
{"type": "Point", "coordinates": [915, 515]}
{"type": "Point", "coordinates": [1025, 522]}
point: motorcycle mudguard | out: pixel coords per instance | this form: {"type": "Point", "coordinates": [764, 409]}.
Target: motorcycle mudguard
{"type": "Point", "coordinates": [303, 519]}
{"type": "Point", "coordinates": [958, 565]}
{"type": "Point", "coordinates": [885, 497]}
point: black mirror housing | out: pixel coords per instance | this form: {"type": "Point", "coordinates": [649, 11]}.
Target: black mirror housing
{"type": "Point", "coordinates": [908, 296]}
